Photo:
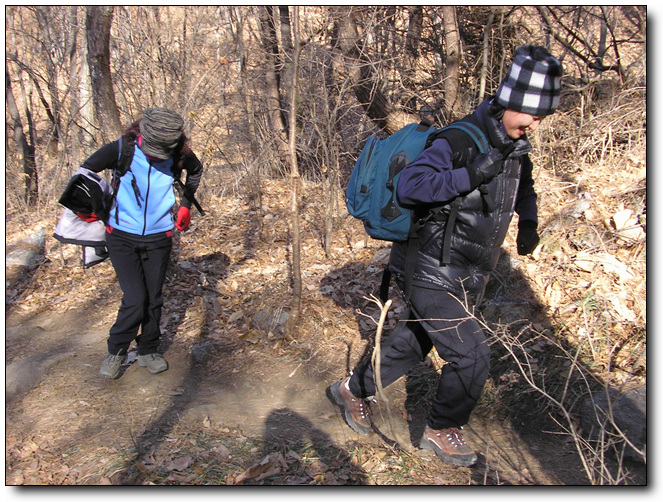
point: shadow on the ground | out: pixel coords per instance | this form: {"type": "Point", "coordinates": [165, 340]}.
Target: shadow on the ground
{"type": "Point", "coordinates": [288, 431]}
{"type": "Point", "coordinates": [188, 279]}
{"type": "Point", "coordinates": [511, 305]}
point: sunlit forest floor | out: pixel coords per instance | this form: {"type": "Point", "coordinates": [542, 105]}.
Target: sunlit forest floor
{"type": "Point", "coordinates": [244, 404]}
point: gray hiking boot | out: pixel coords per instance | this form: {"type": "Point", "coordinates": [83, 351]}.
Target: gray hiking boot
{"type": "Point", "coordinates": [154, 362]}
{"type": "Point", "coordinates": [110, 368]}
{"type": "Point", "coordinates": [448, 445]}
{"type": "Point", "coordinates": [356, 410]}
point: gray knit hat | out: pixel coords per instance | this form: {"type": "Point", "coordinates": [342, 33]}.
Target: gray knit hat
{"type": "Point", "coordinates": [533, 82]}
{"type": "Point", "coordinates": [161, 130]}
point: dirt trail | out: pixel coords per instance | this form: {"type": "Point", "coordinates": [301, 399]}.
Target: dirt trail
{"type": "Point", "coordinates": [239, 404]}
{"type": "Point", "coordinates": [65, 424]}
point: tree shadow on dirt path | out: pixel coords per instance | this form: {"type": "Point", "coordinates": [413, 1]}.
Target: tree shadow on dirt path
{"type": "Point", "coordinates": [288, 431]}
{"type": "Point", "coordinates": [351, 287]}
{"type": "Point", "coordinates": [186, 276]}
{"type": "Point", "coordinates": [514, 432]}
{"type": "Point", "coordinates": [536, 409]}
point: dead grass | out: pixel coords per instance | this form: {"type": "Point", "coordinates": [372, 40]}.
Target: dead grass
{"type": "Point", "coordinates": [585, 288]}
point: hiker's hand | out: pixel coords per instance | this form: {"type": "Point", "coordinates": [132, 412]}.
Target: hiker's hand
{"type": "Point", "coordinates": [528, 238]}
{"type": "Point", "coordinates": [88, 217]}
{"type": "Point", "coordinates": [484, 168]}
{"type": "Point", "coordinates": [183, 218]}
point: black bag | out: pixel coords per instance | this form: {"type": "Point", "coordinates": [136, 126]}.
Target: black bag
{"type": "Point", "coordinates": [88, 193]}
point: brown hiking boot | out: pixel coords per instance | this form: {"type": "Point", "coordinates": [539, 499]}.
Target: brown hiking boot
{"type": "Point", "coordinates": [356, 410]}
{"type": "Point", "coordinates": [448, 445]}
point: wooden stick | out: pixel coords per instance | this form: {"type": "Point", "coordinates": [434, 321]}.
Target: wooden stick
{"type": "Point", "coordinates": [405, 445]}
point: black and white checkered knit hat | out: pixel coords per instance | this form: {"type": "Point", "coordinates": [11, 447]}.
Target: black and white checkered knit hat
{"type": "Point", "coordinates": [161, 130]}
{"type": "Point", "coordinates": [533, 82]}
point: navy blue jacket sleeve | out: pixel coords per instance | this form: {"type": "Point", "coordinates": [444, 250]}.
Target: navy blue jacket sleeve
{"type": "Point", "coordinates": [431, 179]}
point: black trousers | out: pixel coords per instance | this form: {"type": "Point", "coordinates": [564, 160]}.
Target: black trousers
{"type": "Point", "coordinates": [434, 319]}
{"type": "Point", "coordinates": [140, 265]}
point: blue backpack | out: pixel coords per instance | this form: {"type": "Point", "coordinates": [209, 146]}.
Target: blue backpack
{"type": "Point", "coordinates": [371, 192]}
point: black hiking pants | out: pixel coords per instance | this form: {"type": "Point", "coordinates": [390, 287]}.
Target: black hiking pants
{"type": "Point", "coordinates": [140, 265]}
{"type": "Point", "coordinates": [435, 319]}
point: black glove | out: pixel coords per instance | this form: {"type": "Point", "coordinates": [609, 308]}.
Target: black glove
{"type": "Point", "coordinates": [484, 167]}
{"type": "Point", "coordinates": [527, 238]}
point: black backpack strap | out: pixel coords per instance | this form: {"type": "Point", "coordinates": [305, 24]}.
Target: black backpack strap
{"type": "Point", "coordinates": [483, 146]}
{"type": "Point", "coordinates": [410, 262]}
{"type": "Point", "coordinates": [178, 167]}
{"type": "Point", "coordinates": [448, 231]}
{"type": "Point", "coordinates": [473, 132]}
{"type": "Point", "coordinates": [424, 125]}
{"type": "Point", "coordinates": [125, 157]}
{"type": "Point", "coordinates": [413, 245]}
{"type": "Point", "coordinates": [384, 284]}
{"type": "Point", "coordinates": [127, 148]}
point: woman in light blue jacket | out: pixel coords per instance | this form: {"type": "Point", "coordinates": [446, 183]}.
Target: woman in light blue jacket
{"type": "Point", "coordinates": [140, 228]}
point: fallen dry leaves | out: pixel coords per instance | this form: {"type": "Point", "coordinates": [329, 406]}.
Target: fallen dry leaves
{"type": "Point", "coordinates": [231, 270]}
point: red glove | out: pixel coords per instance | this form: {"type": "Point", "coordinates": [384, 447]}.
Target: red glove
{"type": "Point", "coordinates": [88, 217]}
{"type": "Point", "coordinates": [183, 218]}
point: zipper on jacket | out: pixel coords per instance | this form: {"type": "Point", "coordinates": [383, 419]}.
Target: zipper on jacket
{"type": "Point", "coordinates": [147, 195]}
{"type": "Point", "coordinates": [134, 185]}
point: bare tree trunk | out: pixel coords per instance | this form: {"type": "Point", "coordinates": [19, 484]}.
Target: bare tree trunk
{"type": "Point", "coordinates": [286, 29]}
{"type": "Point", "coordinates": [183, 88]}
{"type": "Point", "coordinates": [328, 128]}
{"type": "Point", "coordinates": [293, 320]}
{"type": "Point", "coordinates": [283, 70]}
{"type": "Point", "coordinates": [365, 85]}
{"type": "Point", "coordinates": [45, 20]}
{"type": "Point", "coordinates": [37, 79]}
{"type": "Point", "coordinates": [273, 98]}
{"type": "Point", "coordinates": [325, 127]}
{"type": "Point", "coordinates": [26, 150]}
{"type": "Point", "coordinates": [272, 75]}
{"type": "Point", "coordinates": [415, 23]}
{"type": "Point", "coordinates": [453, 56]}
{"type": "Point", "coordinates": [486, 51]}
{"type": "Point", "coordinates": [98, 24]}
{"type": "Point", "coordinates": [74, 91]}
{"type": "Point", "coordinates": [244, 90]}
{"type": "Point", "coordinates": [85, 89]}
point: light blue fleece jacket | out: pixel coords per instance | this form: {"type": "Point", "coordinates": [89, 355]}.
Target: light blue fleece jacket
{"type": "Point", "coordinates": [145, 197]}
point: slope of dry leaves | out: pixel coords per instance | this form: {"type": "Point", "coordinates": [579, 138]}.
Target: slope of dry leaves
{"type": "Point", "coordinates": [233, 270]}
{"type": "Point", "coordinates": [578, 303]}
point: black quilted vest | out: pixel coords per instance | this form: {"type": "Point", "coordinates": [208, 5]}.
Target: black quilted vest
{"type": "Point", "coordinates": [479, 230]}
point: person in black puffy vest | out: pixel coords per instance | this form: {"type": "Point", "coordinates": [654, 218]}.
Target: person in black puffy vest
{"type": "Point", "coordinates": [487, 189]}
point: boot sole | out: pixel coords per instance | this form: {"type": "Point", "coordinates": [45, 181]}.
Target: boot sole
{"type": "Point", "coordinates": [462, 461]}
{"type": "Point", "coordinates": [110, 376]}
{"type": "Point", "coordinates": [338, 399]}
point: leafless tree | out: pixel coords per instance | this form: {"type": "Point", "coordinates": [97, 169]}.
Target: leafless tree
{"type": "Point", "coordinates": [454, 53]}
{"type": "Point", "coordinates": [366, 86]}
{"type": "Point", "coordinates": [272, 76]}
{"type": "Point", "coordinates": [27, 150]}
{"type": "Point", "coordinates": [294, 175]}
{"type": "Point", "coordinates": [98, 25]}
